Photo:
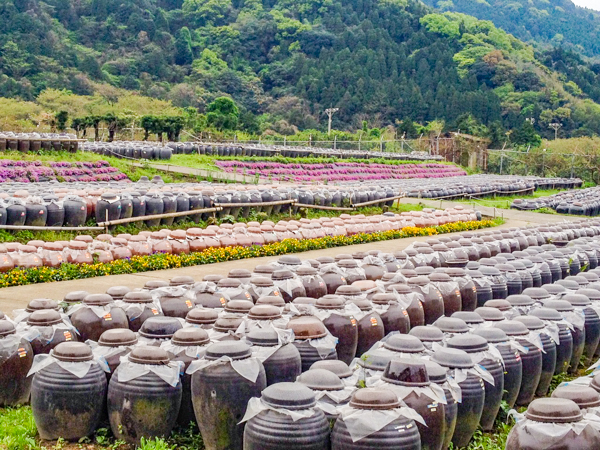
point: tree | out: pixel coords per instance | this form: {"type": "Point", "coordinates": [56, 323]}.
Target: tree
{"type": "Point", "coordinates": [61, 120]}
{"type": "Point", "coordinates": [526, 135]}
{"type": "Point", "coordinates": [173, 125]}
{"type": "Point", "coordinates": [183, 47]}
{"type": "Point", "coordinates": [223, 114]}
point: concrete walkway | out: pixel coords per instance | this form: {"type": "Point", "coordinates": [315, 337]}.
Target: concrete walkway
{"type": "Point", "coordinates": [17, 297]}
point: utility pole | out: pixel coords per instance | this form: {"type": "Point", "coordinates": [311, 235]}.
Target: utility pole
{"type": "Point", "coordinates": [555, 126]}
{"type": "Point", "coordinates": [330, 112]}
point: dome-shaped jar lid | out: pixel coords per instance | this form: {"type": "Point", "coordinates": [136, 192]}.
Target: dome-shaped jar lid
{"type": "Point", "coordinates": [160, 327]}
{"type": "Point", "coordinates": [568, 284]}
{"type": "Point", "coordinates": [282, 274]}
{"type": "Point", "coordinates": [348, 290]}
{"type": "Point", "coordinates": [181, 281]}
{"type": "Point", "coordinates": [97, 300]}
{"type": "Point", "coordinates": [343, 257]}
{"type": "Point", "coordinates": [264, 268]}
{"type": "Point", "coordinates": [406, 372]}
{"type": "Point", "coordinates": [6, 328]}
{"type": "Point", "coordinates": [513, 328]}
{"type": "Point", "coordinates": [408, 273]}
{"type": "Point", "coordinates": [577, 299]}
{"type": "Point", "coordinates": [451, 325]}
{"type": "Point", "coordinates": [199, 316]}
{"type": "Point", "coordinates": [374, 398]}
{"type": "Point", "coordinates": [489, 271]}
{"type": "Point", "coordinates": [146, 354]}
{"type": "Point", "coordinates": [330, 302]}
{"type": "Point", "coordinates": [424, 270]}
{"type": "Point", "coordinates": [263, 337]}
{"type": "Point", "coordinates": [418, 281]}
{"type": "Point", "coordinates": [138, 297]}
{"type": "Point", "coordinates": [585, 397]}
{"type": "Point", "coordinates": [470, 343]}
{"type": "Point", "coordinates": [536, 293]}
{"type": "Point", "coordinates": [490, 314]}
{"type": "Point", "coordinates": [321, 380]}
{"type": "Point", "coordinates": [325, 259]}
{"type": "Point", "coordinates": [239, 274]}
{"type": "Point", "coordinates": [294, 396]}
{"type": "Point", "coordinates": [303, 301]}
{"type": "Point", "coordinates": [553, 410]}
{"type": "Point", "coordinates": [440, 277]}
{"type": "Point", "coordinates": [155, 284]}
{"type": "Point", "coordinates": [229, 283]}
{"type": "Point", "coordinates": [531, 322]}
{"type": "Point", "coordinates": [383, 298]}
{"type": "Point", "coordinates": [289, 260]}
{"type": "Point", "coordinates": [44, 318]}
{"type": "Point", "coordinates": [404, 343]}
{"type": "Point", "coordinates": [455, 272]}
{"type": "Point", "coordinates": [554, 289]}
{"type": "Point", "coordinates": [592, 294]}
{"type": "Point", "coordinates": [340, 368]}
{"type": "Point", "coordinates": [427, 333]}
{"type": "Point", "coordinates": [117, 337]}
{"type": "Point", "coordinates": [117, 291]}
{"type": "Point", "coordinates": [400, 288]}
{"type": "Point", "coordinates": [226, 324]}
{"type": "Point", "coordinates": [492, 335]}
{"type": "Point", "coordinates": [264, 312]}
{"type": "Point", "coordinates": [72, 352]}
{"type": "Point", "coordinates": [546, 314]}
{"type": "Point", "coordinates": [307, 327]}
{"type": "Point", "coordinates": [559, 305]}
{"type": "Point", "coordinates": [306, 271]}
{"type": "Point", "coordinates": [75, 296]}
{"type": "Point", "coordinates": [348, 263]}
{"type": "Point", "coordinates": [519, 300]}
{"type": "Point", "coordinates": [375, 359]}
{"type": "Point", "coordinates": [274, 300]}
{"type": "Point", "coordinates": [233, 349]}
{"type": "Point", "coordinates": [261, 281]}
{"type": "Point", "coordinates": [581, 281]}
{"type": "Point", "coordinates": [500, 304]}
{"type": "Point", "coordinates": [452, 358]}
{"type": "Point", "coordinates": [470, 317]}
{"type": "Point", "coordinates": [238, 306]}
{"type": "Point", "coordinates": [190, 336]}
{"type": "Point", "coordinates": [39, 304]}
{"type": "Point", "coordinates": [213, 278]}
{"type": "Point", "coordinates": [436, 373]}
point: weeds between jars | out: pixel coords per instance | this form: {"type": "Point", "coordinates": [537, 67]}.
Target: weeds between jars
{"type": "Point", "coordinates": [18, 432]}
{"type": "Point", "coordinates": [161, 261]}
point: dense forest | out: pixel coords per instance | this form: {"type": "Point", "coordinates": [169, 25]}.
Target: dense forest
{"type": "Point", "coordinates": [546, 22]}
{"type": "Point", "coordinates": [384, 62]}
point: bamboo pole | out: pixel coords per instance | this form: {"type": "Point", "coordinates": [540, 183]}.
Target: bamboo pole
{"type": "Point", "coordinates": [160, 216]}
{"type": "Point", "coordinates": [329, 208]}
{"type": "Point", "coordinates": [35, 228]}
{"type": "Point", "coordinates": [383, 200]}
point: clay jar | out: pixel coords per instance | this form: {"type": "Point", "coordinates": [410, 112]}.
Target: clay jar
{"type": "Point", "coordinates": [52, 330]}
{"type": "Point", "coordinates": [449, 290]}
{"type": "Point", "coordinates": [370, 327]}
{"type": "Point", "coordinates": [206, 295]}
{"type": "Point", "coordinates": [413, 302]}
{"type": "Point", "coordinates": [341, 325]}
{"type": "Point", "coordinates": [139, 306]}
{"type": "Point", "coordinates": [285, 364]}
{"type": "Point", "coordinates": [393, 315]}
{"type": "Point", "coordinates": [433, 302]}
{"type": "Point", "coordinates": [65, 405]}
{"type": "Point", "coordinates": [220, 395]}
{"type": "Point", "coordinates": [262, 287]}
{"type": "Point", "coordinates": [513, 368]}
{"type": "Point", "coordinates": [96, 315]}
{"type": "Point", "coordinates": [112, 339]}
{"type": "Point", "coordinates": [174, 302]}
{"type": "Point", "coordinates": [202, 318]}
{"type": "Point", "coordinates": [270, 430]}
{"type": "Point", "coordinates": [399, 434]}
{"type": "Point", "coordinates": [536, 325]}
{"type": "Point", "coordinates": [307, 328]}
{"type": "Point", "coordinates": [437, 374]}
{"type": "Point", "coordinates": [156, 330]}
{"type": "Point", "coordinates": [531, 361]}
{"type": "Point", "coordinates": [413, 374]}
{"type": "Point", "coordinates": [472, 390]}
{"type": "Point", "coordinates": [475, 345]}
{"type": "Point", "coordinates": [144, 406]}
{"type": "Point", "coordinates": [577, 332]}
{"type": "Point", "coordinates": [289, 286]}
{"type": "Point", "coordinates": [16, 357]}
{"type": "Point", "coordinates": [314, 285]}
{"type": "Point", "coordinates": [428, 335]}
{"type": "Point", "coordinates": [332, 277]}
{"type": "Point", "coordinates": [552, 411]}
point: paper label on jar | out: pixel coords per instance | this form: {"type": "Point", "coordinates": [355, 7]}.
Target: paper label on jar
{"type": "Point", "coordinates": [353, 321]}
{"type": "Point", "coordinates": [154, 311]}
{"type": "Point", "coordinates": [223, 301]}
{"type": "Point", "coordinates": [22, 352]}
{"type": "Point", "coordinates": [373, 321]}
{"type": "Point", "coordinates": [107, 317]}
{"type": "Point", "coordinates": [189, 304]}
{"type": "Point", "coordinates": [68, 336]}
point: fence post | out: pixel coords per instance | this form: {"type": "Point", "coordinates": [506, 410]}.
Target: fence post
{"type": "Point", "coordinates": [572, 163]}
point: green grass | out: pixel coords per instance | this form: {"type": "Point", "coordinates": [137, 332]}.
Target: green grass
{"type": "Point", "coordinates": [17, 429]}
{"type": "Point", "coordinates": [504, 202]}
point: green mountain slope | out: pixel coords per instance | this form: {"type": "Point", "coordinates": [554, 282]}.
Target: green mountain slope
{"type": "Point", "coordinates": [285, 61]}
{"type": "Point", "coordinates": [549, 22]}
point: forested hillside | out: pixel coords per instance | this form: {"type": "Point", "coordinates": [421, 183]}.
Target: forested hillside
{"type": "Point", "coordinates": [285, 61]}
{"type": "Point", "coordinates": [548, 22]}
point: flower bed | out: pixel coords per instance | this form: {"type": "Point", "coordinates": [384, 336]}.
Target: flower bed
{"type": "Point", "coordinates": [35, 171]}
{"type": "Point", "coordinates": [159, 261]}
{"type": "Point", "coordinates": [339, 171]}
